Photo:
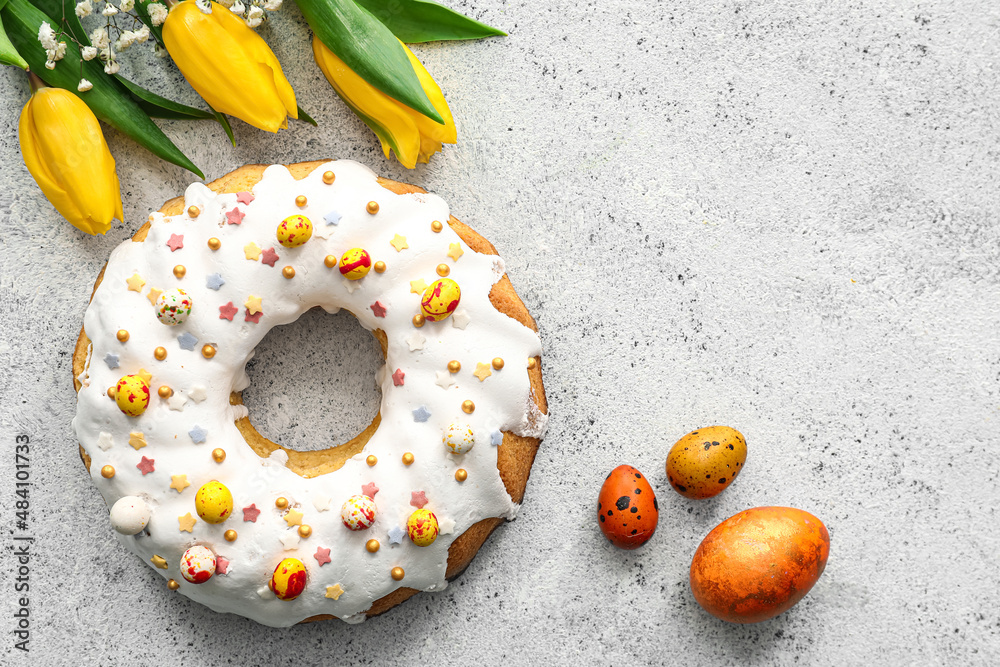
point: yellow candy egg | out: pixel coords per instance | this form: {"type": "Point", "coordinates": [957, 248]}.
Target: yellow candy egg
{"type": "Point", "coordinates": [213, 502]}
{"type": "Point", "coordinates": [704, 462]}
{"type": "Point", "coordinates": [440, 299]}
{"type": "Point", "coordinates": [288, 580]}
{"type": "Point", "coordinates": [355, 264]}
{"type": "Point", "coordinates": [294, 231]}
{"type": "Point", "coordinates": [422, 527]}
{"type": "Point", "coordinates": [132, 395]}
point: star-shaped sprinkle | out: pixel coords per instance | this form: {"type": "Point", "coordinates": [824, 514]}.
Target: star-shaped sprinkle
{"type": "Point", "coordinates": [334, 592]}
{"type": "Point", "coordinates": [396, 535]}
{"type": "Point", "coordinates": [176, 401]}
{"type": "Point", "coordinates": [221, 565]}
{"type": "Point", "coordinates": [253, 304]}
{"type": "Point", "coordinates": [378, 309]}
{"type": "Point", "coordinates": [135, 283]}
{"type": "Point", "coordinates": [251, 251]}
{"type": "Point", "coordinates": [332, 218]}
{"type": "Point", "coordinates": [352, 286]}
{"type": "Point", "coordinates": [416, 341]}
{"type": "Point", "coordinates": [421, 414]}
{"type": "Point", "coordinates": [244, 197]}
{"type": "Point", "coordinates": [153, 295]}
{"type": "Point", "coordinates": [187, 340]}
{"type": "Point", "coordinates": [482, 371]}
{"type": "Point", "coordinates": [397, 377]}
{"type": "Point", "coordinates": [251, 513]}
{"type": "Point", "coordinates": [322, 556]}
{"type": "Point", "coordinates": [111, 360]}
{"type": "Point", "coordinates": [198, 393]}
{"type": "Point", "coordinates": [252, 318]}
{"type": "Point", "coordinates": [460, 319]}
{"type": "Point", "coordinates": [290, 540]}
{"type": "Point", "coordinates": [176, 242]}
{"type": "Point", "coordinates": [235, 217]}
{"type": "Point", "coordinates": [496, 437]}
{"type": "Point", "coordinates": [321, 502]}
{"type": "Point", "coordinates": [399, 243]}
{"type": "Point", "coordinates": [159, 561]}
{"type": "Point", "coordinates": [104, 441]}
{"type": "Point", "coordinates": [418, 499]}
{"type": "Point", "coordinates": [418, 286]}
{"type": "Point", "coordinates": [145, 375]}
{"type": "Point", "coordinates": [214, 281]}
{"type": "Point", "coordinates": [269, 257]}
{"type": "Point", "coordinates": [455, 251]}
{"type": "Point", "coordinates": [186, 523]}
{"type": "Point", "coordinates": [446, 526]}
{"type": "Point", "coordinates": [265, 593]}
{"type": "Point", "coordinates": [198, 434]}
{"type": "Point", "coordinates": [369, 489]}
{"type": "Point", "coordinates": [179, 482]}
{"type": "Point", "coordinates": [444, 379]}
{"type": "Point", "coordinates": [137, 440]}
{"type": "Point", "coordinates": [146, 465]}
{"type": "Point", "coordinates": [294, 517]}
{"type": "Point", "coordinates": [228, 311]}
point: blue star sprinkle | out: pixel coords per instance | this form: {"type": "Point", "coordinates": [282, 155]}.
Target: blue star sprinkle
{"type": "Point", "coordinates": [187, 341]}
{"type": "Point", "coordinates": [396, 535]}
{"type": "Point", "coordinates": [215, 281]}
{"type": "Point", "coordinates": [421, 414]}
{"type": "Point", "coordinates": [111, 360]}
{"type": "Point", "coordinates": [198, 434]}
{"type": "Point", "coordinates": [332, 218]}
{"type": "Point", "coordinates": [496, 437]}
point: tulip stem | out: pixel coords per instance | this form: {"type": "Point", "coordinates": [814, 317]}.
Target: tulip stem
{"type": "Point", "coordinates": [35, 81]}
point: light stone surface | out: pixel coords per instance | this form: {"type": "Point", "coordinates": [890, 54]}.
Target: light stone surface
{"type": "Point", "coordinates": [778, 216]}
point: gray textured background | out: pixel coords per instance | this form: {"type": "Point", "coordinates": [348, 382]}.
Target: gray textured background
{"type": "Point", "coordinates": [778, 216]}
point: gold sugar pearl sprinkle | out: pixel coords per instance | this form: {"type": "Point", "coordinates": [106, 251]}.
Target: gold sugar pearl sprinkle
{"type": "Point", "coordinates": [194, 211]}
{"type": "Point", "coordinates": [468, 407]}
{"type": "Point", "coordinates": [329, 177]}
{"type": "Point", "coordinates": [305, 531]}
{"type": "Point", "coordinates": [398, 573]}
{"type": "Point", "coordinates": [180, 271]}
{"type": "Point", "coordinates": [230, 535]}
{"type": "Point", "coordinates": [214, 243]}
{"type": "Point", "coordinates": [173, 585]}
{"type": "Point", "coordinates": [418, 321]}
{"type": "Point", "coordinates": [301, 201]}
{"type": "Point", "coordinates": [281, 503]}
{"type": "Point", "coordinates": [532, 363]}
{"type": "Point", "coordinates": [497, 364]}
{"type": "Point", "coordinates": [461, 475]}
{"type": "Point", "coordinates": [372, 207]}
{"type": "Point", "coordinates": [219, 454]}
{"type": "Point", "coordinates": [107, 472]}
{"type": "Point", "coordinates": [371, 460]}
{"type": "Point", "coordinates": [372, 546]}
{"type": "Point", "coordinates": [112, 392]}
{"type": "Point", "coordinates": [454, 366]}
{"type": "Point", "coordinates": [122, 335]}
{"type": "Point", "coordinates": [160, 353]}
{"type": "Point", "coordinates": [330, 261]}
{"type": "Point", "coordinates": [443, 270]}
{"type": "Point", "coordinates": [436, 226]}
{"type": "Point", "coordinates": [208, 351]}
{"type": "Point", "coordinates": [407, 458]}
{"type": "Point", "coordinates": [288, 272]}
{"type": "Point", "coordinates": [164, 391]}
{"type": "Point", "coordinates": [379, 267]}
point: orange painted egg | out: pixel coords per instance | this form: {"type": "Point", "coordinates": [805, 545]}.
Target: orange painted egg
{"type": "Point", "coordinates": [759, 563]}
{"type": "Point", "coordinates": [288, 580]}
{"type": "Point", "coordinates": [627, 510]}
{"type": "Point", "coordinates": [704, 462]}
{"type": "Point", "coordinates": [294, 230]}
{"type": "Point", "coordinates": [132, 395]}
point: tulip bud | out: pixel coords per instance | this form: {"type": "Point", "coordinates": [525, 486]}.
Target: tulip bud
{"type": "Point", "coordinates": [64, 150]}
{"type": "Point", "coordinates": [229, 65]}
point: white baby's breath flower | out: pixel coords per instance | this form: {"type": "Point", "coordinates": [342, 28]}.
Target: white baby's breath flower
{"type": "Point", "coordinates": [47, 36]}
{"type": "Point", "coordinates": [84, 8]}
{"type": "Point", "coordinates": [225, 3]}
{"type": "Point", "coordinates": [84, 86]}
{"type": "Point", "coordinates": [60, 51]}
{"type": "Point", "coordinates": [255, 13]}
{"type": "Point", "coordinates": [272, 5]}
{"type": "Point", "coordinates": [142, 34]}
{"type": "Point", "coordinates": [159, 51]}
{"type": "Point", "coordinates": [204, 5]}
{"type": "Point", "coordinates": [126, 5]}
{"type": "Point", "coordinates": [109, 10]}
{"type": "Point", "coordinates": [253, 23]}
{"type": "Point", "coordinates": [50, 64]}
{"type": "Point", "coordinates": [88, 53]}
{"type": "Point", "coordinates": [238, 8]}
{"type": "Point", "coordinates": [112, 67]}
{"type": "Point", "coordinates": [125, 40]}
{"type": "Point", "coordinates": [99, 38]}
{"type": "Point", "coordinates": [157, 13]}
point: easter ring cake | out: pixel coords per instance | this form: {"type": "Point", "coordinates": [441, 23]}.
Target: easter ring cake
{"type": "Point", "coordinates": [241, 524]}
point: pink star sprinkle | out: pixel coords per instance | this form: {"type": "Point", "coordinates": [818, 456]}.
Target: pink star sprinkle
{"type": "Point", "coordinates": [146, 465]}
{"type": "Point", "coordinates": [397, 377]}
{"type": "Point", "coordinates": [378, 309]}
{"type": "Point", "coordinates": [235, 217]}
{"type": "Point", "coordinates": [322, 556]}
{"type": "Point", "coordinates": [244, 197]}
{"type": "Point", "coordinates": [251, 513]}
{"type": "Point", "coordinates": [369, 489]}
{"type": "Point", "coordinates": [269, 257]}
{"type": "Point", "coordinates": [418, 499]}
{"type": "Point", "coordinates": [227, 311]}
{"type": "Point", "coordinates": [221, 565]}
{"type": "Point", "coordinates": [176, 242]}
{"type": "Point", "coordinates": [255, 318]}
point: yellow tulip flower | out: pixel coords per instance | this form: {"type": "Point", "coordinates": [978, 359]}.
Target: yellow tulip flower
{"type": "Point", "coordinates": [413, 136]}
{"type": "Point", "coordinates": [65, 152]}
{"type": "Point", "coordinates": [229, 65]}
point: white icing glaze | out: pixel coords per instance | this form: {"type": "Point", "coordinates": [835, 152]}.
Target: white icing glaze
{"type": "Point", "coordinates": [202, 386]}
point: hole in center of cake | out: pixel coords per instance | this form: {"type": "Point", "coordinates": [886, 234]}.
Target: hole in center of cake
{"type": "Point", "coordinates": [312, 383]}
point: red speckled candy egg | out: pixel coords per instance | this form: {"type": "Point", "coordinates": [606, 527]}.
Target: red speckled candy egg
{"type": "Point", "coordinates": [627, 510]}
{"type": "Point", "coordinates": [198, 564]}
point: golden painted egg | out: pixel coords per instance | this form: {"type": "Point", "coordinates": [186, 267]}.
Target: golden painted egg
{"type": "Point", "coordinates": [294, 230]}
{"type": "Point", "coordinates": [440, 299]}
{"type": "Point", "coordinates": [132, 395]}
{"type": "Point", "coordinates": [704, 462]}
{"type": "Point", "coordinates": [759, 563]}
{"type": "Point", "coordinates": [627, 511]}
{"type": "Point", "coordinates": [213, 502]}
{"type": "Point", "coordinates": [422, 527]}
{"type": "Point", "coordinates": [288, 580]}
{"type": "Point", "coordinates": [355, 264]}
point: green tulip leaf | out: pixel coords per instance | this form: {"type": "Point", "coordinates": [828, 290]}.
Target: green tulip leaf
{"type": "Point", "coordinates": [8, 54]}
{"type": "Point", "coordinates": [424, 21]}
{"type": "Point", "coordinates": [160, 107]}
{"type": "Point", "coordinates": [224, 122]}
{"type": "Point", "coordinates": [369, 48]}
{"type": "Point", "coordinates": [142, 11]}
{"type": "Point", "coordinates": [303, 116]}
{"type": "Point", "coordinates": [108, 99]}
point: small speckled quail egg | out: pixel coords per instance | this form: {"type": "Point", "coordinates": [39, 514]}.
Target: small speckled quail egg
{"type": "Point", "coordinates": [704, 462]}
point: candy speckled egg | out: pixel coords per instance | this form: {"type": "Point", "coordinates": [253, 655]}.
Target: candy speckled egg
{"type": "Point", "coordinates": [440, 299]}
{"type": "Point", "coordinates": [132, 395]}
{"type": "Point", "coordinates": [173, 306]}
{"type": "Point", "coordinates": [358, 512]}
{"type": "Point", "coordinates": [459, 438]}
{"type": "Point", "coordinates": [129, 515]}
{"type": "Point", "coordinates": [704, 462]}
{"type": "Point", "coordinates": [197, 564]}
{"type": "Point", "coordinates": [627, 511]}
{"type": "Point", "coordinates": [422, 527]}
{"type": "Point", "coordinates": [288, 580]}
{"type": "Point", "coordinates": [213, 502]}
{"type": "Point", "coordinates": [759, 563]}
{"type": "Point", "coordinates": [355, 264]}
{"type": "Point", "coordinates": [294, 230]}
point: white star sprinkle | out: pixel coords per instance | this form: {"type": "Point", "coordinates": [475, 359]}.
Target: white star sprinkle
{"type": "Point", "coordinates": [321, 502]}
{"type": "Point", "coordinates": [444, 379]}
{"type": "Point", "coordinates": [460, 319]}
{"type": "Point", "coordinates": [198, 393]}
{"type": "Point", "coordinates": [177, 401]}
{"type": "Point", "coordinates": [446, 526]}
{"type": "Point", "coordinates": [323, 231]}
{"type": "Point", "coordinates": [290, 539]}
{"type": "Point", "coordinates": [416, 341]}
{"type": "Point", "coordinates": [104, 441]}
{"type": "Point", "coordinates": [265, 592]}
{"type": "Point", "coordinates": [352, 286]}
